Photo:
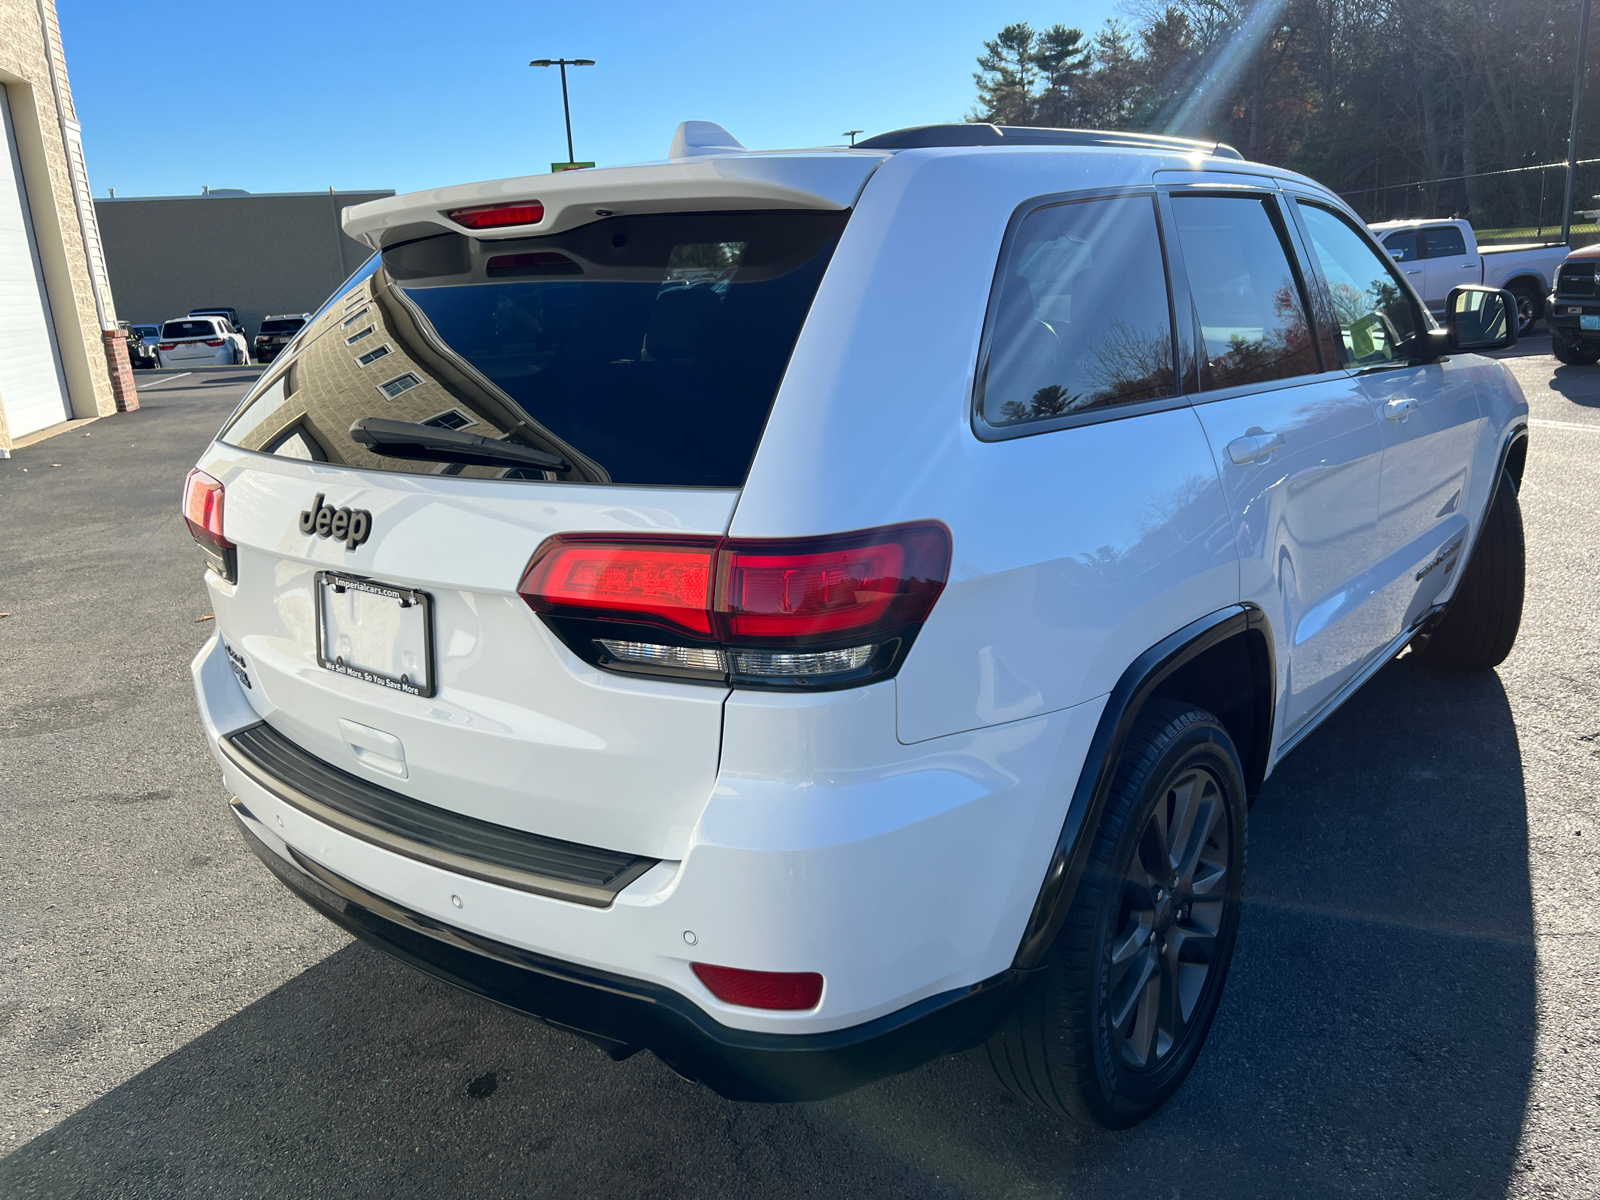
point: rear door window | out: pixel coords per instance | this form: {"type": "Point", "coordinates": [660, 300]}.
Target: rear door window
{"type": "Point", "coordinates": [1248, 296]}
{"type": "Point", "coordinates": [1080, 320]}
{"type": "Point", "coordinates": [1444, 241]}
{"type": "Point", "coordinates": [639, 350]}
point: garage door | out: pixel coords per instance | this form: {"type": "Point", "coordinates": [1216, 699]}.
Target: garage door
{"type": "Point", "coordinates": [33, 389]}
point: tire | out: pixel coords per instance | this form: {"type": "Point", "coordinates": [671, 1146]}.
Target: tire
{"type": "Point", "coordinates": [1574, 352]}
{"type": "Point", "coordinates": [1063, 1048]}
{"type": "Point", "coordinates": [1479, 626]}
{"type": "Point", "coordinates": [1530, 306]}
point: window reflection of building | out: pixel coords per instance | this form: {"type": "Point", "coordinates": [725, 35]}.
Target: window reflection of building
{"type": "Point", "coordinates": [368, 355]}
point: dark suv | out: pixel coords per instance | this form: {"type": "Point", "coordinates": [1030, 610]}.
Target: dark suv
{"type": "Point", "coordinates": [275, 333]}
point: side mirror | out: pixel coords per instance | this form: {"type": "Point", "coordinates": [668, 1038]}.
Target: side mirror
{"type": "Point", "coordinates": [1478, 318]}
{"type": "Point", "coordinates": [1397, 255]}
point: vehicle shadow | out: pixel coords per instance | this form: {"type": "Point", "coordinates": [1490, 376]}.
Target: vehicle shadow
{"type": "Point", "coordinates": [1376, 1038]}
{"type": "Point", "coordinates": [1581, 385]}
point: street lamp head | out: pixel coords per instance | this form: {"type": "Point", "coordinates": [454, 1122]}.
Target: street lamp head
{"type": "Point", "coordinates": [542, 62]}
{"type": "Point", "coordinates": [583, 62]}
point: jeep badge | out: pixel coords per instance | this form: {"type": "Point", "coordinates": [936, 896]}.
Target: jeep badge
{"type": "Point", "coordinates": [350, 525]}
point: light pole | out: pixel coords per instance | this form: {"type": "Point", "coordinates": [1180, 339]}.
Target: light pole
{"type": "Point", "coordinates": [566, 109]}
{"type": "Point", "coordinates": [851, 134]}
{"type": "Point", "coordinates": [1577, 118]}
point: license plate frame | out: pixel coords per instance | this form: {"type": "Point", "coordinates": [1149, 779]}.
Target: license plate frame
{"type": "Point", "coordinates": [1589, 322]}
{"type": "Point", "coordinates": [420, 603]}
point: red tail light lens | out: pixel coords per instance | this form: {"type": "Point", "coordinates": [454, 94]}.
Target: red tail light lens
{"type": "Point", "coordinates": [166, 345]}
{"type": "Point", "coordinates": [783, 990]}
{"type": "Point", "coordinates": [656, 583]}
{"type": "Point", "coordinates": [215, 341]}
{"type": "Point", "coordinates": [826, 587]}
{"type": "Point", "coordinates": [818, 612]}
{"type": "Point", "coordinates": [499, 216]}
{"type": "Point", "coordinates": [202, 511]}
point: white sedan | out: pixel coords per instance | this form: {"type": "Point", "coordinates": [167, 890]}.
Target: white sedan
{"type": "Point", "coordinates": [201, 342]}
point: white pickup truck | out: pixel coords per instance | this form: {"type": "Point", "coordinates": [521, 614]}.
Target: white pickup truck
{"type": "Point", "coordinates": [1438, 255]}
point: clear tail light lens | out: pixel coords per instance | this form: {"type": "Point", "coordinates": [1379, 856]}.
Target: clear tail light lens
{"type": "Point", "coordinates": [782, 990]}
{"type": "Point", "coordinates": [202, 511]}
{"type": "Point", "coordinates": [822, 612]}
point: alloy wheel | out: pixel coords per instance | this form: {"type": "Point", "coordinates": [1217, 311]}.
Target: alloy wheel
{"type": "Point", "coordinates": [1172, 904]}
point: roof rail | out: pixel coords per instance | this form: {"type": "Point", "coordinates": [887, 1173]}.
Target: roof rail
{"type": "Point", "coordinates": [975, 134]}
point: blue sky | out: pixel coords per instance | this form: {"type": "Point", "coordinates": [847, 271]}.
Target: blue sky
{"type": "Point", "coordinates": [293, 95]}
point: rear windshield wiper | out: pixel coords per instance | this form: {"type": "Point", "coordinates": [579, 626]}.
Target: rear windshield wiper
{"type": "Point", "coordinates": [429, 443]}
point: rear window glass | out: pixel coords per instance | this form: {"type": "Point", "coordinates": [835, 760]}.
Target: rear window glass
{"type": "Point", "coordinates": [188, 329]}
{"type": "Point", "coordinates": [281, 326]}
{"type": "Point", "coordinates": [639, 350]}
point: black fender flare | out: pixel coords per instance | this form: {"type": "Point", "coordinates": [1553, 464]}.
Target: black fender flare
{"type": "Point", "coordinates": [1138, 682]}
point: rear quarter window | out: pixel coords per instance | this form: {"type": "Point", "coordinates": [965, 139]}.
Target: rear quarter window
{"type": "Point", "coordinates": [1079, 323]}
{"type": "Point", "coordinates": [641, 350]}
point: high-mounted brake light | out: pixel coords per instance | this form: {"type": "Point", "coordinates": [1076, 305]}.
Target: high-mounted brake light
{"type": "Point", "coordinates": [202, 511]}
{"type": "Point", "coordinates": [499, 216]}
{"type": "Point", "coordinates": [826, 612]}
{"type": "Point", "coordinates": [782, 990]}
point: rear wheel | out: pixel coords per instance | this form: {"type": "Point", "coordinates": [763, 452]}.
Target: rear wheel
{"type": "Point", "coordinates": [1480, 624]}
{"type": "Point", "coordinates": [1530, 305]}
{"type": "Point", "coordinates": [1112, 1026]}
{"type": "Point", "coordinates": [1574, 351]}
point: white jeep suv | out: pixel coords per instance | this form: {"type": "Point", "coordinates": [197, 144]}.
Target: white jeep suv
{"type": "Point", "coordinates": [804, 613]}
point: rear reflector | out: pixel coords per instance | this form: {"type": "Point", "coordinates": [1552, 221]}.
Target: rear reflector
{"type": "Point", "coordinates": [786, 990]}
{"type": "Point", "coordinates": [202, 511]}
{"type": "Point", "coordinates": [499, 216]}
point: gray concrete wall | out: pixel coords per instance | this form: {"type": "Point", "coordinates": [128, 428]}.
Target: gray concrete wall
{"type": "Point", "coordinates": [272, 253]}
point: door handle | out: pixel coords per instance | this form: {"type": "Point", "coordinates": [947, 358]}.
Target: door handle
{"type": "Point", "coordinates": [1252, 446]}
{"type": "Point", "coordinates": [1470, 267]}
{"type": "Point", "coordinates": [1399, 408]}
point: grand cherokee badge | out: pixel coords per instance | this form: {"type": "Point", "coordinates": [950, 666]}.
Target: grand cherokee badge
{"type": "Point", "coordinates": [349, 525]}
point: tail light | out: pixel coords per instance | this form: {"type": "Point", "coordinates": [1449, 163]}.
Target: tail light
{"type": "Point", "coordinates": [786, 990]}
{"type": "Point", "coordinates": [216, 341]}
{"type": "Point", "coordinates": [166, 345]}
{"type": "Point", "coordinates": [499, 216]}
{"type": "Point", "coordinates": [202, 510]}
{"type": "Point", "coordinates": [815, 613]}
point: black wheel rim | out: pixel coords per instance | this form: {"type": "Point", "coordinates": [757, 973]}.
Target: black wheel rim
{"type": "Point", "coordinates": [1173, 901]}
{"type": "Point", "coordinates": [1525, 314]}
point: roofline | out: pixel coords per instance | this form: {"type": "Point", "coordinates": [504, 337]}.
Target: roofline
{"type": "Point", "coordinates": [250, 195]}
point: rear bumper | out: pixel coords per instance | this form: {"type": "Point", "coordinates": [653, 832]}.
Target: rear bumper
{"type": "Point", "coordinates": [625, 1015]}
{"type": "Point", "coordinates": [903, 874]}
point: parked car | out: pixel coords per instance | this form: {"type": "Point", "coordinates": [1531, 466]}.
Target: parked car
{"type": "Point", "coordinates": [275, 333]}
{"type": "Point", "coordinates": [730, 608]}
{"type": "Point", "coordinates": [1572, 310]}
{"type": "Point", "coordinates": [201, 341]}
{"type": "Point", "coordinates": [142, 341]}
{"type": "Point", "coordinates": [1438, 255]}
{"type": "Point", "coordinates": [231, 314]}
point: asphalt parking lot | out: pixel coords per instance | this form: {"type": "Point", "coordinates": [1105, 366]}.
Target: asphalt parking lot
{"type": "Point", "coordinates": [1414, 1009]}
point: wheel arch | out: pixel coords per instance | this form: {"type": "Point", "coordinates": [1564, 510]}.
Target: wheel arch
{"type": "Point", "coordinates": [1222, 662]}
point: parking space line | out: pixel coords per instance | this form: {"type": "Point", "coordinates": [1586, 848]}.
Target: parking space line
{"type": "Point", "coordinates": [1565, 425]}
{"type": "Point", "coordinates": [168, 379]}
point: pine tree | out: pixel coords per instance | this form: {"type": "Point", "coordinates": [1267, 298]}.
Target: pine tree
{"type": "Point", "coordinates": [1006, 78]}
{"type": "Point", "coordinates": [1062, 58]}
